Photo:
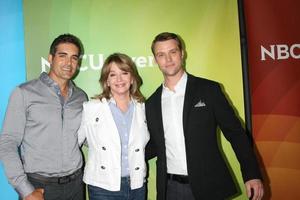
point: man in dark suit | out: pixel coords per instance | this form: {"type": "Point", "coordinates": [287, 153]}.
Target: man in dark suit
{"type": "Point", "coordinates": [183, 115]}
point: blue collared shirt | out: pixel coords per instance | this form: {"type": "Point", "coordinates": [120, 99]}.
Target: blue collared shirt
{"type": "Point", "coordinates": [123, 122]}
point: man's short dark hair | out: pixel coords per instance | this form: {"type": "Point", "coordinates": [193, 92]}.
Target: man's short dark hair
{"type": "Point", "coordinates": [66, 38]}
{"type": "Point", "coordinates": [166, 36]}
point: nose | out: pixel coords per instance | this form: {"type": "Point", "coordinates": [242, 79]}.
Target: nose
{"type": "Point", "coordinates": [69, 60]}
{"type": "Point", "coordinates": [169, 58]}
{"type": "Point", "coordinates": [119, 77]}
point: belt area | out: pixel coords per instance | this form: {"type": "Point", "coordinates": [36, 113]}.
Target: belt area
{"type": "Point", "coordinates": [178, 178]}
{"type": "Point", "coordinates": [58, 180]}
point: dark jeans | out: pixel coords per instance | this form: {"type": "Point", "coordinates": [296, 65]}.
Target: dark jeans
{"type": "Point", "coordinates": [97, 193]}
{"type": "Point", "coordinates": [73, 190]}
{"type": "Point", "coordinates": [179, 191]}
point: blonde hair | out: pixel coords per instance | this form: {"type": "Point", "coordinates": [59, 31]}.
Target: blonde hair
{"type": "Point", "coordinates": [125, 63]}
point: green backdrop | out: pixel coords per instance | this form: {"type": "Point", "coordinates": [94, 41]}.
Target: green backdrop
{"type": "Point", "coordinates": [209, 28]}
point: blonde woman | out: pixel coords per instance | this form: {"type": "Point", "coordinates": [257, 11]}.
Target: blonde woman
{"type": "Point", "coordinates": [115, 129]}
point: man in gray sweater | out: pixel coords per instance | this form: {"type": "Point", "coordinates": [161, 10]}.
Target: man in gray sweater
{"type": "Point", "coordinates": [38, 144]}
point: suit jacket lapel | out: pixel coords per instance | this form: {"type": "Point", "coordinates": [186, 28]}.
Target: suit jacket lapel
{"type": "Point", "coordinates": [158, 110]}
{"type": "Point", "coordinates": [161, 127]}
{"type": "Point", "coordinates": [188, 99]}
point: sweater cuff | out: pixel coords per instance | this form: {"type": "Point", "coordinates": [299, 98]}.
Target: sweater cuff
{"type": "Point", "coordinates": [24, 188]}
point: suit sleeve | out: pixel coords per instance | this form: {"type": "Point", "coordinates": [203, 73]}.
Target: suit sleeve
{"type": "Point", "coordinates": [235, 134]}
{"type": "Point", "coordinates": [150, 150]}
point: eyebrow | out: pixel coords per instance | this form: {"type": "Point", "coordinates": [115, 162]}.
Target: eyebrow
{"type": "Point", "coordinates": [176, 48]}
{"type": "Point", "coordinates": [64, 53]}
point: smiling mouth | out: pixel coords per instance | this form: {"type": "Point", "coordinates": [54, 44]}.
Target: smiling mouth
{"type": "Point", "coordinates": [67, 69]}
{"type": "Point", "coordinates": [170, 65]}
{"type": "Point", "coordinates": [120, 85]}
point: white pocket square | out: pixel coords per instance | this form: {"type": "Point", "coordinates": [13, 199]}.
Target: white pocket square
{"type": "Point", "coordinates": [200, 104]}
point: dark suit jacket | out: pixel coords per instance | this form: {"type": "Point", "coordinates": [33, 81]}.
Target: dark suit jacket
{"type": "Point", "coordinates": [208, 173]}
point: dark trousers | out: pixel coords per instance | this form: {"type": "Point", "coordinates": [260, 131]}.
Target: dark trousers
{"type": "Point", "coordinates": [179, 191]}
{"type": "Point", "coordinates": [72, 190]}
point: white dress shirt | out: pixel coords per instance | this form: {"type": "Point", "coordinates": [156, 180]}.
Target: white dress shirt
{"type": "Point", "coordinates": [172, 112]}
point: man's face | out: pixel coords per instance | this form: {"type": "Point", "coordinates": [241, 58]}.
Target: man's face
{"type": "Point", "coordinates": [169, 57]}
{"type": "Point", "coordinates": [64, 63]}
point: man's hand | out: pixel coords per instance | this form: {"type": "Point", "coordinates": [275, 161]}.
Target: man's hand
{"type": "Point", "coordinates": [37, 194]}
{"type": "Point", "coordinates": [255, 189]}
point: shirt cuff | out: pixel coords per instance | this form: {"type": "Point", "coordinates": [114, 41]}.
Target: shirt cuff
{"type": "Point", "coordinates": [24, 188]}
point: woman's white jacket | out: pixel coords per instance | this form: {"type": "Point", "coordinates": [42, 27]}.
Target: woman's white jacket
{"type": "Point", "coordinates": [103, 167]}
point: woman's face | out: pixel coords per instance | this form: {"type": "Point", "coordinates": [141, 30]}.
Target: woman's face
{"type": "Point", "coordinates": [119, 81]}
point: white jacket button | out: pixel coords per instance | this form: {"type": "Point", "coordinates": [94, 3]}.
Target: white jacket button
{"type": "Point", "coordinates": [137, 168]}
{"type": "Point", "coordinates": [137, 150]}
{"type": "Point", "coordinates": [102, 167]}
{"type": "Point", "coordinates": [103, 148]}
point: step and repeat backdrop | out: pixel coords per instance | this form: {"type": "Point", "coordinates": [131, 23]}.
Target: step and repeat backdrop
{"type": "Point", "coordinates": [274, 64]}
{"type": "Point", "coordinates": [12, 67]}
{"type": "Point", "coordinates": [210, 30]}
